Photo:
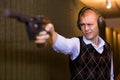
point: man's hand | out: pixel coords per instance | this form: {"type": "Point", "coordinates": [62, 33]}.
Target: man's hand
{"type": "Point", "coordinates": [48, 32]}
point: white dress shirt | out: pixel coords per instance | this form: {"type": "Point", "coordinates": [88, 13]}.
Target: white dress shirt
{"type": "Point", "coordinates": [71, 46]}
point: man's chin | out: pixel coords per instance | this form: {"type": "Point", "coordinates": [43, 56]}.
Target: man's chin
{"type": "Point", "coordinates": [88, 37]}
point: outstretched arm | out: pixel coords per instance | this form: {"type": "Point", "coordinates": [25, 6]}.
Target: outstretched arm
{"type": "Point", "coordinates": [68, 46]}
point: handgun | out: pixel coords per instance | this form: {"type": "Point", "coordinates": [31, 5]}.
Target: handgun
{"type": "Point", "coordinates": [34, 24]}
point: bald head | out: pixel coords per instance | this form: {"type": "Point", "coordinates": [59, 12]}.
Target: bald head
{"type": "Point", "coordinates": [90, 14]}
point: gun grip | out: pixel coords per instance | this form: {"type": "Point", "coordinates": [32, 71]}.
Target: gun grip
{"type": "Point", "coordinates": [35, 25]}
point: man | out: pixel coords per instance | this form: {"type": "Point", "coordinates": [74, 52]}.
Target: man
{"type": "Point", "coordinates": [90, 55]}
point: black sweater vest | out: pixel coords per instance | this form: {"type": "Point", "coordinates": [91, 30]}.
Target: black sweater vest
{"type": "Point", "coordinates": [90, 65]}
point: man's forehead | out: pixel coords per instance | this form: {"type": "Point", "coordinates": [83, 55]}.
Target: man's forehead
{"type": "Point", "coordinates": [88, 20]}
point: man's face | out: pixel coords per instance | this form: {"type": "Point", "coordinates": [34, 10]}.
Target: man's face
{"type": "Point", "coordinates": [89, 25]}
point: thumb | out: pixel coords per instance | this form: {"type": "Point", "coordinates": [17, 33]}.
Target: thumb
{"type": "Point", "coordinates": [50, 28]}
{"type": "Point", "coordinates": [51, 31]}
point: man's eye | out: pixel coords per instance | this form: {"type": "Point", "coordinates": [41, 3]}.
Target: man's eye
{"type": "Point", "coordinates": [89, 24]}
{"type": "Point", "coordinates": [82, 24]}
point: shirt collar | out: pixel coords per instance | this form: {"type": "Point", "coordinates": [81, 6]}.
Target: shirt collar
{"type": "Point", "coordinates": [101, 42]}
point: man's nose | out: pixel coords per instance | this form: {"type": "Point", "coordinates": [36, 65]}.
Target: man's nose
{"type": "Point", "coordinates": [86, 27]}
